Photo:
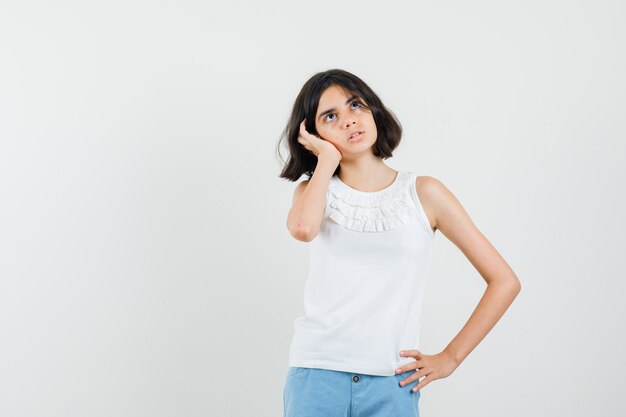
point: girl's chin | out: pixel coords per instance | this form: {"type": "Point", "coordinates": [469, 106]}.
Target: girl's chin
{"type": "Point", "coordinates": [355, 149]}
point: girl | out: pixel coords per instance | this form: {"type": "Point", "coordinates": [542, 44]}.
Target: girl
{"type": "Point", "coordinates": [370, 228]}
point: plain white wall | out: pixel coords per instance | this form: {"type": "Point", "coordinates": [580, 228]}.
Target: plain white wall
{"type": "Point", "coordinates": [145, 266]}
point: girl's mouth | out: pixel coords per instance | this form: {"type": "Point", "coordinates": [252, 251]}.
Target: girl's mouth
{"type": "Point", "coordinates": [355, 137]}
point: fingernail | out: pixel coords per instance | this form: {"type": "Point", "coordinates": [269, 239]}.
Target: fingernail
{"type": "Point", "coordinates": [398, 371]}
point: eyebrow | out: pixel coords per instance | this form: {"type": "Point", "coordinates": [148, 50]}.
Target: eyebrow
{"type": "Point", "coordinates": [325, 112]}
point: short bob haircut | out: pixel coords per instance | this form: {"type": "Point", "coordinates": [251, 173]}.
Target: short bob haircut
{"type": "Point", "coordinates": [301, 160]}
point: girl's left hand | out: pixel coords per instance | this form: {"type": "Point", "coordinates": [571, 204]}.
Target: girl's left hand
{"type": "Point", "coordinates": [431, 366]}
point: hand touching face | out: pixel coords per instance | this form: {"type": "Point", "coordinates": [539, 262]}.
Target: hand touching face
{"type": "Point", "coordinates": [316, 145]}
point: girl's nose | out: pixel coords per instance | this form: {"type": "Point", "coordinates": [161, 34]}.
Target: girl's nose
{"type": "Point", "coordinates": [350, 122]}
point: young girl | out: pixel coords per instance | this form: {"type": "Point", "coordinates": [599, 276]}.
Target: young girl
{"type": "Point", "coordinates": [370, 228]}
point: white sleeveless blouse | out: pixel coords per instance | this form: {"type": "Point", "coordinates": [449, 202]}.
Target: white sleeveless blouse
{"type": "Point", "coordinates": [364, 293]}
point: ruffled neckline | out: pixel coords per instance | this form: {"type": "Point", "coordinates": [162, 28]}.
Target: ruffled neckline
{"type": "Point", "coordinates": [354, 190]}
{"type": "Point", "coordinates": [371, 211]}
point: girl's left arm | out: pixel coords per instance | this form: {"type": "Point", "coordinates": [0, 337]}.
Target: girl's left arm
{"type": "Point", "coordinates": [502, 283]}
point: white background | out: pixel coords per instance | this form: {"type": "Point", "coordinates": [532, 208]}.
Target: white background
{"type": "Point", "coordinates": [145, 265]}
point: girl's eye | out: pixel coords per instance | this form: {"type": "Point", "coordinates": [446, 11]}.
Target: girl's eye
{"type": "Point", "coordinates": [332, 114]}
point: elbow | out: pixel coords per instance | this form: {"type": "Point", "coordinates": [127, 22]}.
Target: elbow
{"type": "Point", "coordinates": [509, 284]}
{"type": "Point", "coordinates": [516, 286]}
{"type": "Point", "coordinates": [303, 234]}
{"type": "Point", "coordinates": [301, 229]}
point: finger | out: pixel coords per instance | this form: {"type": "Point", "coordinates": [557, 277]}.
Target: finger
{"type": "Point", "coordinates": [411, 352]}
{"type": "Point", "coordinates": [409, 367]}
{"type": "Point", "coordinates": [402, 370]}
{"type": "Point", "coordinates": [421, 384]}
{"type": "Point", "coordinates": [414, 377]}
{"type": "Point", "coordinates": [304, 141]}
{"type": "Point", "coordinates": [305, 132]}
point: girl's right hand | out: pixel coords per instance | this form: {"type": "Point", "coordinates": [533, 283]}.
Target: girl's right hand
{"type": "Point", "coordinates": [316, 145]}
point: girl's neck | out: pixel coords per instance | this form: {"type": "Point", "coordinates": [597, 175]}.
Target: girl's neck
{"type": "Point", "coordinates": [367, 175]}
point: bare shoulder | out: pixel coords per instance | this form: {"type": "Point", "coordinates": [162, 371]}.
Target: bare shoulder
{"type": "Point", "coordinates": [433, 194]}
{"type": "Point", "coordinates": [299, 189]}
{"type": "Point", "coordinates": [442, 207]}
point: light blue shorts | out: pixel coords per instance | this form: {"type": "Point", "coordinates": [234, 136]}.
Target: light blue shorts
{"type": "Point", "coordinates": [314, 392]}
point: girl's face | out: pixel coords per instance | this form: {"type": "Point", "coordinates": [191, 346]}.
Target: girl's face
{"type": "Point", "coordinates": [339, 116]}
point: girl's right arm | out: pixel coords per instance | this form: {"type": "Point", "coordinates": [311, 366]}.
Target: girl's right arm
{"type": "Point", "coordinates": [305, 216]}
{"type": "Point", "coordinates": [309, 198]}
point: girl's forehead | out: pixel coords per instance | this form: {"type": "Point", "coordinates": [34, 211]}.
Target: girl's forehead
{"type": "Point", "coordinates": [335, 92]}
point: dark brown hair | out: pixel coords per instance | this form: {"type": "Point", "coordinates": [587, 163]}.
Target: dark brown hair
{"type": "Point", "coordinates": [302, 161]}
